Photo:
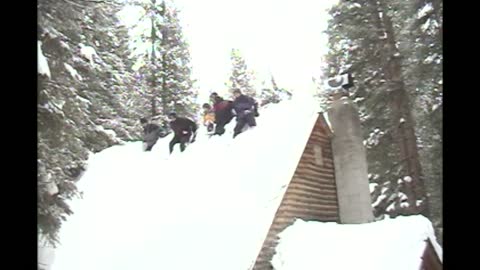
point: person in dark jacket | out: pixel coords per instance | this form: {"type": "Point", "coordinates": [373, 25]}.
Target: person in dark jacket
{"type": "Point", "coordinates": [223, 113]}
{"type": "Point", "coordinates": [213, 96]}
{"type": "Point", "coordinates": [184, 129]}
{"type": "Point", "coordinates": [151, 133]}
{"type": "Point", "coordinates": [245, 108]}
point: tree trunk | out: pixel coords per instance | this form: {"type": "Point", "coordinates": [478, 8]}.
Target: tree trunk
{"type": "Point", "coordinates": [163, 94]}
{"type": "Point", "coordinates": [403, 123]}
{"type": "Point", "coordinates": [153, 97]}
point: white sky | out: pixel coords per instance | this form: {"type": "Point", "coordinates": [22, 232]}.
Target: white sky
{"type": "Point", "coordinates": [282, 37]}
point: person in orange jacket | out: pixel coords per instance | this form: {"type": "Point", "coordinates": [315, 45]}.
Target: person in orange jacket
{"type": "Point", "coordinates": [208, 117]}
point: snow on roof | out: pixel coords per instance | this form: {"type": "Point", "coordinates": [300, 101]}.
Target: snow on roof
{"type": "Point", "coordinates": [209, 207]}
{"type": "Point", "coordinates": [395, 244]}
{"type": "Point", "coordinates": [327, 121]}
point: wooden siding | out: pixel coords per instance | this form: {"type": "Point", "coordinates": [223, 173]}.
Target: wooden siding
{"type": "Point", "coordinates": [430, 260]}
{"type": "Point", "coordinates": [311, 194]}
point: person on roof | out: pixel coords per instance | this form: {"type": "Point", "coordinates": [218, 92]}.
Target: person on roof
{"type": "Point", "coordinates": [151, 133]}
{"type": "Point", "coordinates": [208, 117]}
{"type": "Point", "coordinates": [184, 129]}
{"type": "Point", "coordinates": [223, 113]}
{"type": "Point", "coordinates": [245, 108]}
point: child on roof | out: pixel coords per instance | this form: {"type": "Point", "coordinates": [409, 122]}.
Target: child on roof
{"type": "Point", "coordinates": [208, 117]}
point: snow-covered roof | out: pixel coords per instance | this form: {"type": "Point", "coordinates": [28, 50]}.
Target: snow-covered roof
{"type": "Point", "coordinates": [207, 208]}
{"type": "Point", "coordinates": [395, 244]}
{"type": "Point", "coordinates": [212, 206]}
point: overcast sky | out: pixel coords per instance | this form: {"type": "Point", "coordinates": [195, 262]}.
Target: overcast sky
{"type": "Point", "coordinates": [279, 37]}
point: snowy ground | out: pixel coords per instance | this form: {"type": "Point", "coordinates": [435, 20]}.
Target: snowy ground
{"type": "Point", "coordinates": [207, 208]}
{"type": "Point", "coordinates": [395, 244]}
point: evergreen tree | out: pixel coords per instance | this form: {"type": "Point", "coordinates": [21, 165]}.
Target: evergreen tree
{"type": "Point", "coordinates": [241, 78]}
{"type": "Point", "coordinates": [164, 65]}
{"type": "Point", "coordinates": [420, 44]}
{"type": "Point", "coordinates": [364, 39]}
{"type": "Point", "coordinates": [82, 104]}
{"type": "Point", "coordinates": [89, 98]}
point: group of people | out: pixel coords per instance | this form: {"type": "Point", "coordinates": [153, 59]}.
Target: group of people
{"type": "Point", "coordinates": [184, 129]}
{"type": "Point", "coordinates": [245, 108]}
{"type": "Point", "coordinates": [215, 117]}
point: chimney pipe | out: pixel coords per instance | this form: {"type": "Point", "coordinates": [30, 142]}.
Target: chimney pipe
{"type": "Point", "coordinates": [350, 161]}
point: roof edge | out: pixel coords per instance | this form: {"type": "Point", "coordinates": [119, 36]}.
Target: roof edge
{"type": "Point", "coordinates": [325, 124]}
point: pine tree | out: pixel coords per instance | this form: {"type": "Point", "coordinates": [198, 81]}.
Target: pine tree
{"type": "Point", "coordinates": [241, 78]}
{"type": "Point", "coordinates": [364, 40]}
{"type": "Point", "coordinates": [165, 64]}
{"type": "Point", "coordinates": [81, 106]}
{"type": "Point", "coordinates": [177, 69]}
{"type": "Point", "coordinates": [354, 46]}
{"type": "Point", "coordinates": [420, 44]}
